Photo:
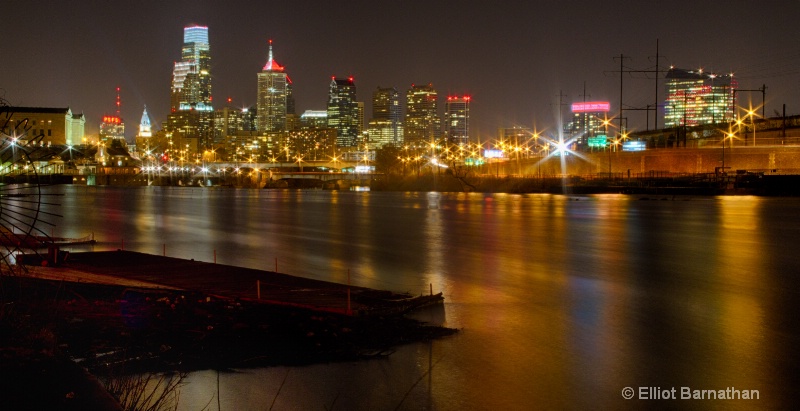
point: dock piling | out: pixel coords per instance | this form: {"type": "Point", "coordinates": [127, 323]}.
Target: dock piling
{"type": "Point", "coordinates": [349, 312]}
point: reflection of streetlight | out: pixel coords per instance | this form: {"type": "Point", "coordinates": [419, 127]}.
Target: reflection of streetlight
{"type": "Point", "coordinates": [606, 123]}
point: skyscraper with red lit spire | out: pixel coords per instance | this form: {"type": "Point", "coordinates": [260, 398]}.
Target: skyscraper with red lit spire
{"type": "Point", "coordinates": [112, 127]}
{"type": "Point", "coordinates": [273, 96]}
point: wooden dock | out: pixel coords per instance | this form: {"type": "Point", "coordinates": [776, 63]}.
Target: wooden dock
{"type": "Point", "coordinates": [135, 269]}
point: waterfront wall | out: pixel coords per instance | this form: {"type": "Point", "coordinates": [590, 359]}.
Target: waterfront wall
{"type": "Point", "coordinates": [767, 159]}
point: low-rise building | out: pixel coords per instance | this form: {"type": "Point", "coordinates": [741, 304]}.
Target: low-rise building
{"type": "Point", "coordinates": [54, 126]}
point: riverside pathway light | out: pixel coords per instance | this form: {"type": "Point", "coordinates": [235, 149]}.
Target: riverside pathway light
{"type": "Point", "coordinates": [751, 113]}
{"type": "Point", "coordinates": [725, 136]}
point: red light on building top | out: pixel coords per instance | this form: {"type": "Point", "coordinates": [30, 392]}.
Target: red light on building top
{"type": "Point", "coordinates": [467, 98]}
{"type": "Point", "coordinates": [112, 120]}
{"type": "Point", "coordinates": [229, 99]}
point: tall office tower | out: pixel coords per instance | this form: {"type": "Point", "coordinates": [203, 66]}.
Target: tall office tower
{"type": "Point", "coordinates": [290, 103]}
{"type": "Point", "coordinates": [385, 127]}
{"type": "Point", "coordinates": [273, 93]}
{"type": "Point", "coordinates": [343, 111]}
{"type": "Point", "coordinates": [360, 115]}
{"type": "Point", "coordinates": [191, 107]}
{"type": "Point", "coordinates": [112, 127]}
{"type": "Point", "coordinates": [191, 77]}
{"type": "Point", "coordinates": [456, 117]}
{"type": "Point", "coordinates": [696, 98]}
{"type": "Point", "coordinates": [228, 121]}
{"type": "Point", "coordinates": [314, 119]}
{"type": "Point", "coordinates": [423, 123]}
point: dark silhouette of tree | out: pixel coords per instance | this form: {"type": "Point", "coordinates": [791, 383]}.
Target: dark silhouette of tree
{"type": "Point", "coordinates": [387, 160]}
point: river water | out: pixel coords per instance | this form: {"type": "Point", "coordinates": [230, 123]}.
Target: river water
{"type": "Point", "coordinates": [562, 301]}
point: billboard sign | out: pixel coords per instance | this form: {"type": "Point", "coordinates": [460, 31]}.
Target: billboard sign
{"type": "Point", "coordinates": [634, 146]}
{"type": "Point", "coordinates": [493, 154]}
{"type": "Point", "coordinates": [591, 107]}
{"type": "Point", "coordinates": [597, 141]}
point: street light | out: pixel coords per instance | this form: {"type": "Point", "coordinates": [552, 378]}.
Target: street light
{"type": "Point", "coordinates": [725, 136]}
{"type": "Point", "coordinates": [750, 114]}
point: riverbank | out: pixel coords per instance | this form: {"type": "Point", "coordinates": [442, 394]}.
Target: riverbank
{"type": "Point", "coordinates": [113, 325]}
{"type": "Point", "coordinates": [699, 184]}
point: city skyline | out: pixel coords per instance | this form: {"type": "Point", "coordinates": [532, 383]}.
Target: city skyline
{"type": "Point", "coordinates": [517, 61]}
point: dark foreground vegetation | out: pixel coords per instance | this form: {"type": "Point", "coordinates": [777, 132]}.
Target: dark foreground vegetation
{"type": "Point", "coordinates": [47, 326]}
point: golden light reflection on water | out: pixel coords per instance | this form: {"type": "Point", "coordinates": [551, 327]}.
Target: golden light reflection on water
{"type": "Point", "coordinates": [561, 300]}
{"type": "Point", "coordinates": [740, 319]}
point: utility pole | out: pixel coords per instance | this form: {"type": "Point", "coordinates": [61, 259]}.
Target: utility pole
{"type": "Point", "coordinates": [585, 119]}
{"type": "Point", "coordinates": [657, 74]}
{"type": "Point", "coordinates": [561, 104]}
{"type": "Point", "coordinates": [621, 72]}
{"type": "Point", "coordinates": [763, 91]}
{"type": "Point", "coordinates": [655, 83]}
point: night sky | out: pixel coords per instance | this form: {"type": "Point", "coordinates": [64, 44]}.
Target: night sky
{"type": "Point", "coordinates": [513, 57]}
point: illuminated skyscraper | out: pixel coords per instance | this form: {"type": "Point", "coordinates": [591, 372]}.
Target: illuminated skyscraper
{"type": "Point", "coordinates": [695, 98]}
{"type": "Point", "coordinates": [273, 96]}
{"type": "Point", "coordinates": [456, 117]}
{"type": "Point", "coordinates": [191, 102]}
{"type": "Point", "coordinates": [587, 125]}
{"type": "Point", "coordinates": [112, 127]}
{"type": "Point", "coordinates": [314, 119]}
{"type": "Point", "coordinates": [422, 117]}
{"type": "Point", "coordinates": [191, 77]}
{"type": "Point", "coordinates": [343, 112]}
{"type": "Point", "coordinates": [386, 127]}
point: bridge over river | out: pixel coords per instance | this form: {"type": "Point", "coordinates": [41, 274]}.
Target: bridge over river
{"type": "Point", "coordinates": [309, 174]}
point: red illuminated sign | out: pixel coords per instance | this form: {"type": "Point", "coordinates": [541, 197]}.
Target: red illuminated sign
{"type": "Point", "coordinates": [112, 119]}
{"type": "Point", "coordinates": [591, 107]}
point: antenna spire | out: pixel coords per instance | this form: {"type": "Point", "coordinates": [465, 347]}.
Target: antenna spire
{"type": "Point", "coordinates": [119, 103]}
